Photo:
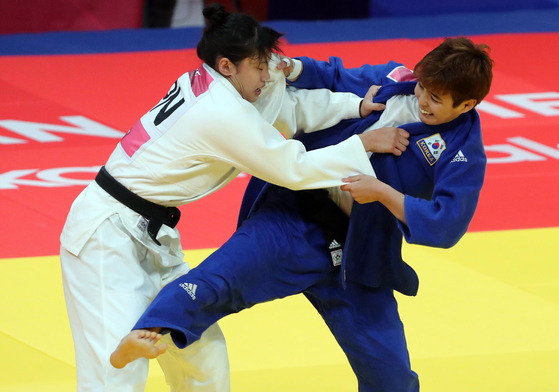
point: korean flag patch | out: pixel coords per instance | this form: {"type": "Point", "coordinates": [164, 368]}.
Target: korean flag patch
{"type": "Point", "coordinates": [432, 147]}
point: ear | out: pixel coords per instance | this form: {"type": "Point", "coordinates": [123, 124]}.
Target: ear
{"type": "Point", "coordinates": [468, 105]}
{"type": "Point", "coordinates": [226, 67]}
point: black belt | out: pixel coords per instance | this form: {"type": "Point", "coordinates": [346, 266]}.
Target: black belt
{"type": "Point", "coordinates": [316, 206]}
{"type": "Point", "coordinates": [157, 215]}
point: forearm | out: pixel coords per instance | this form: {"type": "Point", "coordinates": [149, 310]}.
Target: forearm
{"type": "Point", "coordinates": [333, 75]}
{"type": "Point", "coordinates": [394, 201]}
{"type": "Point", "coordinates": [318, 109]}
{"type": "Point", "coordinates": [368, 189]}
{"type": "Point", "coordinates": [327, 74]}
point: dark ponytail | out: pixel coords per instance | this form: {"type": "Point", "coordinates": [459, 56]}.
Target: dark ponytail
{"type": "Point", "coordinates": [235, 36]}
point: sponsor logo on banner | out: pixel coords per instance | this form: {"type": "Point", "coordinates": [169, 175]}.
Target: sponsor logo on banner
{"type": "Point", "coordinates": [47, 133]}
{"type": "Point", "coordinates": [432, 147]}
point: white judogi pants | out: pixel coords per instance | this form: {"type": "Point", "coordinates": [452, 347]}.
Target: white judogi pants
{"type": "Point", "coordinates": [107, 288]}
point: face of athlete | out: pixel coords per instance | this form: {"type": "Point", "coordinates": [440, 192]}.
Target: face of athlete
{"type": "Point", "coordinates": [249, 77]}
{"type": "Point", "coordinates": [437, 108]}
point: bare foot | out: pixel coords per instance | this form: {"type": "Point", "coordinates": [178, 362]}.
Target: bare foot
{"type": "Point", "coordinates": [139, 343]}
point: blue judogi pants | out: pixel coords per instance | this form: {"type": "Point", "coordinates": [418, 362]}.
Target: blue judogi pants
{"type": "Point", "coordinates": [276, 253]}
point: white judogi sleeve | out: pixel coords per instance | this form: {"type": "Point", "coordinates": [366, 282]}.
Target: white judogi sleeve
{"type": "Point", "coordinates": [292, 110]}
{"type": "Point", "coordinates": [209, 134]}
{"type": "Point", "coordinates": [252, 145]}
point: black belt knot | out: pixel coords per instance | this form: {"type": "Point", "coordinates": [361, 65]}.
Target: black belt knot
{"type": "Point", "coordinates": [156, 215]}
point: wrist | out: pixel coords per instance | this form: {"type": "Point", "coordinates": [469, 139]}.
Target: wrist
{"type": "Point", "coordinates": [368, 141]}
{"type": "Point", "coordinates": [386, 194]}
{"type": "Point", "coordinates": [394, 201]}
{"type": "Point", "coordinates": [297, 70]}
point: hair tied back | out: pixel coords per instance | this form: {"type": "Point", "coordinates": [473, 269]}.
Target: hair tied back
{"type": "Point", "coordinates": [215, 16]}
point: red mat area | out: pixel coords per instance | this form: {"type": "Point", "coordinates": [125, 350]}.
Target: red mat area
{"type": "Point", "coordinates": [45, 98]}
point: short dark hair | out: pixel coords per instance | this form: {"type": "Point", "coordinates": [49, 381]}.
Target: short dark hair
{"type": "Point", "coordinates": [457, 67]}
{"type": "Point", "coordinates": [236, 36]}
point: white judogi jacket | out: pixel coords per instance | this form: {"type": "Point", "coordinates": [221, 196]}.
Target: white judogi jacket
{"type": "Point", "coordinates": [202, 134]}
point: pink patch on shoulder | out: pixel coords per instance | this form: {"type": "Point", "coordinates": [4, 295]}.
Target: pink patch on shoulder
{"type": "Point", "coordinates": [134, 139]}
{"type": "Point", "coordinates": [200, 80]}
{"type": "Point", "coordinates": [401, 74]}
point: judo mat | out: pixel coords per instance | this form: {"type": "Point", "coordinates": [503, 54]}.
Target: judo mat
{"type": "Point", "coordinates": [487, 314]}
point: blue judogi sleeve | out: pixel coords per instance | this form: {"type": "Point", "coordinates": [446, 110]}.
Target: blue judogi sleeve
{"type": "Point", "coordinates": [458, 177]}
{"type": "Point", "coordinates": [333, 76]}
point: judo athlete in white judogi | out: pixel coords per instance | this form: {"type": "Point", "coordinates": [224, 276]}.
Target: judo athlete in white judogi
{"type": "Point", "coordinates": [119, 245]}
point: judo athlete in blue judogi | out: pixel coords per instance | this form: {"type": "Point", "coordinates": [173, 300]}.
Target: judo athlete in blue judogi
{"type": "Point", "coordinates": [287, 242]}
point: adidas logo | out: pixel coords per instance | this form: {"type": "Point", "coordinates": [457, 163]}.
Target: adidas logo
{"type": "Point", "coordinates": [190, 288]}
{"type": "Point", "coordinates": [459, 157]}
{"type": "Point", "coordinates": [334, 244]}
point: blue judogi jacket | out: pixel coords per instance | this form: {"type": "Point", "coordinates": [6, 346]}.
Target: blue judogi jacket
{"type": "Point", "coordinates": [441, 174]}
